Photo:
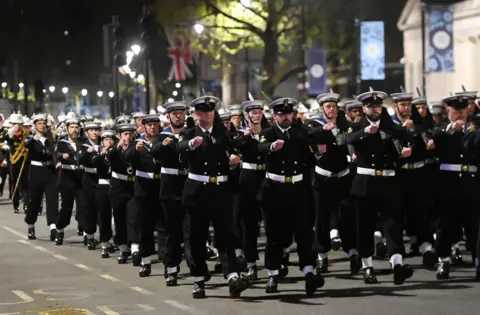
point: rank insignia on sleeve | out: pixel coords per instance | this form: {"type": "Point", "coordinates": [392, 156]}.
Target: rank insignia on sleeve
{"type": "Point", "coordinates": [180, 139]}
{"type": "Point", "coordinates": [350, 130]}
{"type": "Point", "coordinates": [262, 139]}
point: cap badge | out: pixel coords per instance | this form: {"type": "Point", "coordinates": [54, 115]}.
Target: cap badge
{"type": "Point", "coordinates": [285, 102]}
{"type": "Point", "coordinates": [374, 95]}
{"type": "Point", "coordinates": [207, 99]}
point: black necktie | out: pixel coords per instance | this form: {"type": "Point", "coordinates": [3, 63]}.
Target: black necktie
{"type": "Point", "coordinates": [208, 135]}
{"type": "Point", "coordinates": [286, 134]}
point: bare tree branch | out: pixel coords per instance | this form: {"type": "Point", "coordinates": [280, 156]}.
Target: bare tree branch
{"type": "Point", "coordinates": [250, 26]}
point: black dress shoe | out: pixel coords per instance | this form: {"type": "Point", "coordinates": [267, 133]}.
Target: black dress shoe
{"type": "Point", "coordinates": [112, 248]}
{"type": "Point", "coordinates": [198, 290]}
{"type": "Point", "coordinates": [237, 285]}
{"type": "Point", "coordinates": [146, 270]}
{"type": "Point", "coordinates": [171, 279]}
{"type": "Point", "coordinates": [105, 253]}
{"type": "Point", "coordinates": [59, 238]}
{"type": "Point", "coordinates": [252, 274]}
{"type": "Point", "coordinates": [31, 234]}
{"type": "Point", "coordinates": [272, 285]}
{"type": "Point", "coordinates": [25, 207]}
{"type": "Point", "coordinates": [322, 266]}
{"type": "Point", "coordinates": [336, 243]}
{"type": "Point", "coordinates": [429, 259]}
{"type": "Point", "coordinates": [443, 271]}
{"type": "Point", "coordinates": [401, 273]}
{"type": "Point", "coordinates": [381, 250]}
{"type": "Point", "coordinates": [218, 267]}
{"type": "Point", "coordinates": [369, 276]}
{"type": "Point", "coordinates": [123, 259]}
{"type": "Point", "coordinates": [241, 263]}
{"type": "Point", "coordinates": [91, 244]}
{"type": "Point", "coordinates": [16, 210]}
{"type": "Point", "coordinates": [136, 259]}
{"type": "Point", "coordinates": [53, 234]}
{"type": "Point", "coordinates": [457, 259]}
{"type": "Point", "coordinates": [355, 264]}
{"type": "Point", "coordinates": [313, 282]}
{"type": "Point", "coordinates": [283, 272]}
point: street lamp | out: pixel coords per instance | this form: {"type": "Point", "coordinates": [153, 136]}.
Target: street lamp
{"type": "Point", "coordinates": [51, 89]}
{"type": "Point", "coordinates": [44, 91]}
{"type": "Point", "coordinates": [198, 28]}
{"type": "Point", "coordinates": [141, 77]}
{"type": "Point", "coordinates": [175, 93]}
{"type": "Point", "coordinates": [84, 92]}
{"type": "Point", "coordinates": [170, 100]}
{"type": "Point", "coordinates": [100, 93]}
{"type": "Point", "coordinates": [4, 84]}
{"type": "Point", "coordinates": [132, 74]}
{"type": "Point", "coordinates": [178, 85]}
{"type": "Point", "coordinates": [136, 49]}
{"type": "Point", "coordinates": [111, 94]}
{"type": "Point", "coordinates": [65, 90]}
{"type": "Point", "coordinates": [21, 85]}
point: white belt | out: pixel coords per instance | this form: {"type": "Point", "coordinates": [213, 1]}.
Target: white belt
{"type": "Point", "coordinates": [127, 178]}
{"type": "Point", "coordinates": [71, 167]}
{"type": "Point", "coordinates": [411, 166]}
{"type": "Point", "coordinates": [430, 161]}
{"type": "Point", "coordinates": [285, 179]}
{"type": "Point", "coordinates": [147, 175]}
{"type": "Point", "coordinates": [91, 170]}
{"type": "Point", "coordinates": [326, 173]}
{"type": "Point", "coordinates": [458, 168]}
{"type": "Point", "coordinates": [38, 163]}
{"type": "Point", "coordinates": [173, 171]}
{"type": "Point", "coordinates": [374, 172]}
{"type": "Point", "coordinates": [208, 179]}
{"type": "Point", "coordinates": [102, 181]}
{"type": "Point", "coordinates": [253, 166]}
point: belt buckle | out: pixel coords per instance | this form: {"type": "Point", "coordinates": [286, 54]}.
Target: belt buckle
{"type": "Point", "coordinates": [411, 166]}
{"type": "Point", "coordinates": [288, 179]}
{"type": "Point", "coordinates": [212, 180]}
{"type": "Point", "coordinates": [156, 176]}
{"type": "Point", "coordinates": [129, 178]}
{"type": "Point", "coordinates": [44, 163]}
{"type": "Point", "coordinates": [378, 173]}
{"type": "Point", "coordinates": [260, 167]}
{"type": "Point", "coordinates": [465, 168]}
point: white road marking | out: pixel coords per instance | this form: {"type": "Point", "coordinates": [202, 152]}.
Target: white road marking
{"type": "Point", "coordinates": [107, 310]}
{"type": "Point", "coordinates": [184, 307]}
{"type": "Point", "coordinates": [146, 307]}
{"type": "Point", "coordinates": [24, 296]}
{"type": "Point", "coordinates": [61, 257]}
{"type": "Point", "coordinates": [24, 242]}
{"type": "Point", "coordinates": [43, 249]}
{"type": "Point", "coordinates": [141, 290]}
{"type": "Point", "coordinates": [15, 232]}
{"type": "Point", "coordinates": [108, 277]}
{"type": "Point", "coordinates": [82, 266]}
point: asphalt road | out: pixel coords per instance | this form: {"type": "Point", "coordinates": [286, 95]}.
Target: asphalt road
{"type": "Point", "coordinates": [37, 277]}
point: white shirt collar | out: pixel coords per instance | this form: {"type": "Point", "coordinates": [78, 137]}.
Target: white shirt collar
{"type": "Point", "coordinates": [282, 129]}
{"type": "Point", "coordinates": [209, 129]}
{"type": "Point", "coordinates": [376, 123]}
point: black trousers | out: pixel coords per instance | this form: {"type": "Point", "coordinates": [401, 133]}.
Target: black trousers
{"type": "Point", "coordinates": [122, 203]}
{"type": "Point", "coordinates": [250, 212]}
{"type": "Point", "coordinates": [70, 192]}
{"type": "Point", "coordinates": [91, 215]}
{"type": "Point", "coordinates": [220, 215]}
{"type": "Point", "coordinates": [287, 212]}
{"type": "Point", "coordinates": [148, 213]}
{"type": "Point", "coordinates": [176, 231]}
{"type": "Point", "coordinates": [333, 210]}
{"type": "Point", "coordinates": [38, 187]}
{"type": "Point", "coordinates": [367, 211]}
{"type": "Point", "coordinates": [456, 211]}
{"type": "Point", "coordinates": [3, 178]}
{"type": "Point", "coordinates": [22, 188]}
{"type": "Point", "coordinates": [104, 212]}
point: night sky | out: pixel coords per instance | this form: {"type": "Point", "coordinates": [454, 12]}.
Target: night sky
{"type": "Point", "coordinates": [37, 38]}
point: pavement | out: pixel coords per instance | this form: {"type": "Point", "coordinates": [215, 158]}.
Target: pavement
{"type": "Point", "coordinates": [37, 277]}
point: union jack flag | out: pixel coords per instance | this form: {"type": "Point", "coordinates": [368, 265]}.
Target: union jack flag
{"type": "Point", "coordinates": [181, 54]}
